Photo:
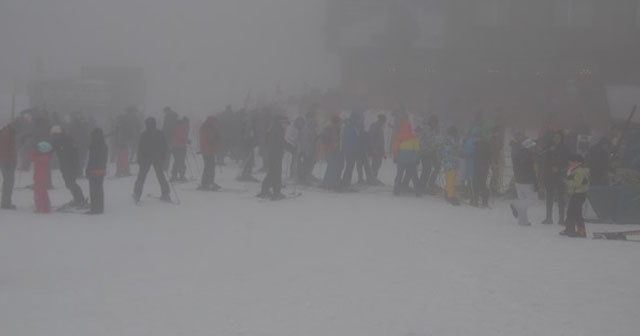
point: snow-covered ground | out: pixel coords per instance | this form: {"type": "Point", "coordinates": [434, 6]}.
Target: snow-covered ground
{"type": "Point", "coordinates": [321, 264]}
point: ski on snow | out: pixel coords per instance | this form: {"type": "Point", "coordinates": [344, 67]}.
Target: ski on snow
{"type": "Point", "coordinates": [615, 235]}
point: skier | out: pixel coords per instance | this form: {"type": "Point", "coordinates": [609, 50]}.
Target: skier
{"type": "Point", "coordinates": [350, 147]}
{"type": "Point", "coordinates": [406, 151]}
{"type": "Point", "coordinates": [247, 147]}
{"type": "Point", "coordinates": [168, 124]}
{"type": "Point", "coordinates": [179, 142]}
{"type": "Point", "coordinates": [450, 163]}
{"type": "Point", "coordinates": [427, 134]}
{"type": "Point", "coordinates": [152, 151]}
{"type": "Point", "coordinates": [554, 163]}
{"type": "Point", "coordinates": [41, 157]}
{"type": "Point", "coordinates": [67, 152]}
{"type": "Point", "coordinates": [525, 180]}
{"type": "Point", "coordinates": [8, 159]}
{"type": "Point", "coordinates": [376, 146]}
{"type": "Point", "coordinates": [308, 148]}
{"type": "Point", "coordinates": [481, 166]}
{"type": "Point", "coordinates": [577, 182]}
{"type": "Point", "coordinates": [209, 136]}
{"type": "Point", "coordinates": [96, 171]}
{"type": "Point", "coordinates": [272, 183]}
{"type": "Point", "coordinates": [333, 154]}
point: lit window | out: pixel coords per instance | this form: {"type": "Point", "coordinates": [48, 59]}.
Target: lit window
{"type": "Point", "coordinates": [491, 12]}
{"type": "Point", "coordinates": [574, 13]}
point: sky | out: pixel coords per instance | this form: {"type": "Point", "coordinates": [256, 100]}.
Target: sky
{"type": "Point", "coordinates": [198, 55]}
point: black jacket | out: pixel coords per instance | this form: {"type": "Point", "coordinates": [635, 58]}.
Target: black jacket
{"type": "Point", "coordinates": [98, 154]}
{"type": "Point", "coordinates": [152, 147]}
{"type": "Point", "coordinates": [67, 152]}
{"type": "Point", "coordinates": [523, 167]}
{"type": "Point", "coordinates": [555, 162]}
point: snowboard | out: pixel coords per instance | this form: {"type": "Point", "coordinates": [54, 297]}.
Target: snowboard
{"type": "Point", "coordinates": [615, 235]}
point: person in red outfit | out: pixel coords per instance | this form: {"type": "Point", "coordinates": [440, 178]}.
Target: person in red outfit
{"type": "Point", "coordinates": [41, 157]}
{"type": "Point", "coordinates": [208, 149]}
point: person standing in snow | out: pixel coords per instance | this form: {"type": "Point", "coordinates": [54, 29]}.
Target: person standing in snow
{"type": "Point", "coordinates": [152, 151]}
{"type": "Point", "coordinates": [41, 158]}
{"type": "Point", "coordinates": [67, 152]}
{"type": "Point", "coordinates": [272, 183]}
{"type": "Point", "coordinates": [481, 166]}
{"type": "Point", "coordinates": [577, 182]}
{"type": "Point", "coordinates": [179, 142]}
{"type": "Point", "coordinates": [333, 154]}
{"type": "Point", "coordinates": [8, 159]}
{"type": "Point", "coordinates": [168, 125]}
{"type": "Point", "coordinates": [525, 180]}
{"type": "Point", "coordinates": [406, 151]}
{"type": "Point", "coordinates": [308, 148]}
{"type": "Point", "coordinates": [554, 163]}
{"type": "Point", "coordinates": [350, 147]}
{"type": "Point", "coordinates": [429, 159]}
{"type": "Point", "coordinates": [450, 163]}
{"type": "Point", "coordinates": [209, 136]}
{"type": "Point", "coordinates": [376, 146]}
{"type": "Point", "coordinates": [96, 171]}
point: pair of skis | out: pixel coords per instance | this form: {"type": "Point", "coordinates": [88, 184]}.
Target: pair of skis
{"type": "Point", "coordinates": [623, 235]}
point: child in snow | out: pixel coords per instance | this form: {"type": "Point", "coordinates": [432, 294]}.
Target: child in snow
{"type": "Point", "coordinates": [41, 157]}
{"type": "Point", "coordinates": [577, 181]}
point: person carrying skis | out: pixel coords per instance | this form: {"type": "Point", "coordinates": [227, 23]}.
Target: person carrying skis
{"type": "Point", "coordinates": [406, 151]}
{"type": "Point", "coordinates": [272, 183]}
{"type": "Point", "coordinates": [41, 158]}
{"type": "Point", "coordinates": [96, 171]}
{"type": "Point", "coordinates": [8, 159]}
{"type": "Point", "coordinates": [577, 182]}
{"type": "Point", "coordinates": [67, 152]}
{"type": "Point", "coordinates": [208, 148]}
{"type": "Point", "coordinates": [525, 180]}
{"type": "Point", "coordinates": [152, 151]}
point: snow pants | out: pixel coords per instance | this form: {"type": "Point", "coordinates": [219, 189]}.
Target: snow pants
{"type": "Point", "coordinates": [527, 197]}
{"type": "Point", "coordinates": [332, 173]}
{"type": "Point", "coordinates": [71, 184]}
{"type": "Point", "coordinates": [179, 168]}
{"type": "Point", "coordinates": [406, 171]}
{"type": "Point", "coordinates": [142, 176]}
{"type": "Point", "coordinates": [96, 193]}
{"type": "Point", "coordinates": [556, 190]}
{"type": "Point", "coordinates": [574, 219]}
{"type": "Point", "coordinates": [8, 181]}
{"type": "Point", "coordinates": [450, 183]}
{"type": "Point", "coordinates": [209, 171]}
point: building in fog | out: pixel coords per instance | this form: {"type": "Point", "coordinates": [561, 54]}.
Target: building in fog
{"type": "Point", "coordinates": [532, 58]}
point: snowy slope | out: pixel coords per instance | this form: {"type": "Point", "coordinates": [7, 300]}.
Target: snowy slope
{"type": "Point", "coordinates": [321, 264]}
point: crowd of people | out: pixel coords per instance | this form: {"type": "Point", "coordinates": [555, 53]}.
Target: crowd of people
{"type": "Point", "coordinates": [428, 161]}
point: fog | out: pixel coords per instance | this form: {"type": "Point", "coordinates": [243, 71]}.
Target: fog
{"type": "Point", "coordinates": [197, 55]}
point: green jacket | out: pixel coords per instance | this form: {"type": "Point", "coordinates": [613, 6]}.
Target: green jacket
{"type": "Point", "coordinates": [578, 181]}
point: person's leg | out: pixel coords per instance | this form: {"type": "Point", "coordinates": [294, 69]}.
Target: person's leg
{"type": "Point", "coordinates": [550, 191]}
{"type": "Point", "coordinates": [348, 172]}
{"type": "Point", "coordinates": [74, 188]}
{"type": "Point", "coordinates": [142, 176]}
{"type": "Point", "coordinates": [400, 177]}
{"type": "Point", "coordinates": [572, 215]}
{"type": "Point", "coordinates": [412, 171]}
{"type": "Point", "coordinates": [562, 196]}
{"type": "Point", "coordinates": [176, 163]}
{"type": "Point", "coordinates": [580, 227]}
{"type": "Point", "coordinates": [162, 180]}
{"type": "Point", "coordinates": [205, 180]}
{"type": "Point", "coordinates": [8, 182]}
{"type": "Point", "coordinates": [450, 182]}
{"type": "Point", "coordinates": [182, 162]}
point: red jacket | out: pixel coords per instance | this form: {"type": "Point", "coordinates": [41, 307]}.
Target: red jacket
{"type": "Point", "coordinates": [7, 145]}
{"type": "Point", "coordinates": [208, 136]}
{"type": "Point", "coordinates": [180, 135]}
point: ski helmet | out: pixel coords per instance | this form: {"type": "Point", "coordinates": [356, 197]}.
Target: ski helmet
{"type": "Point", "coordinates": [44, 147]}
